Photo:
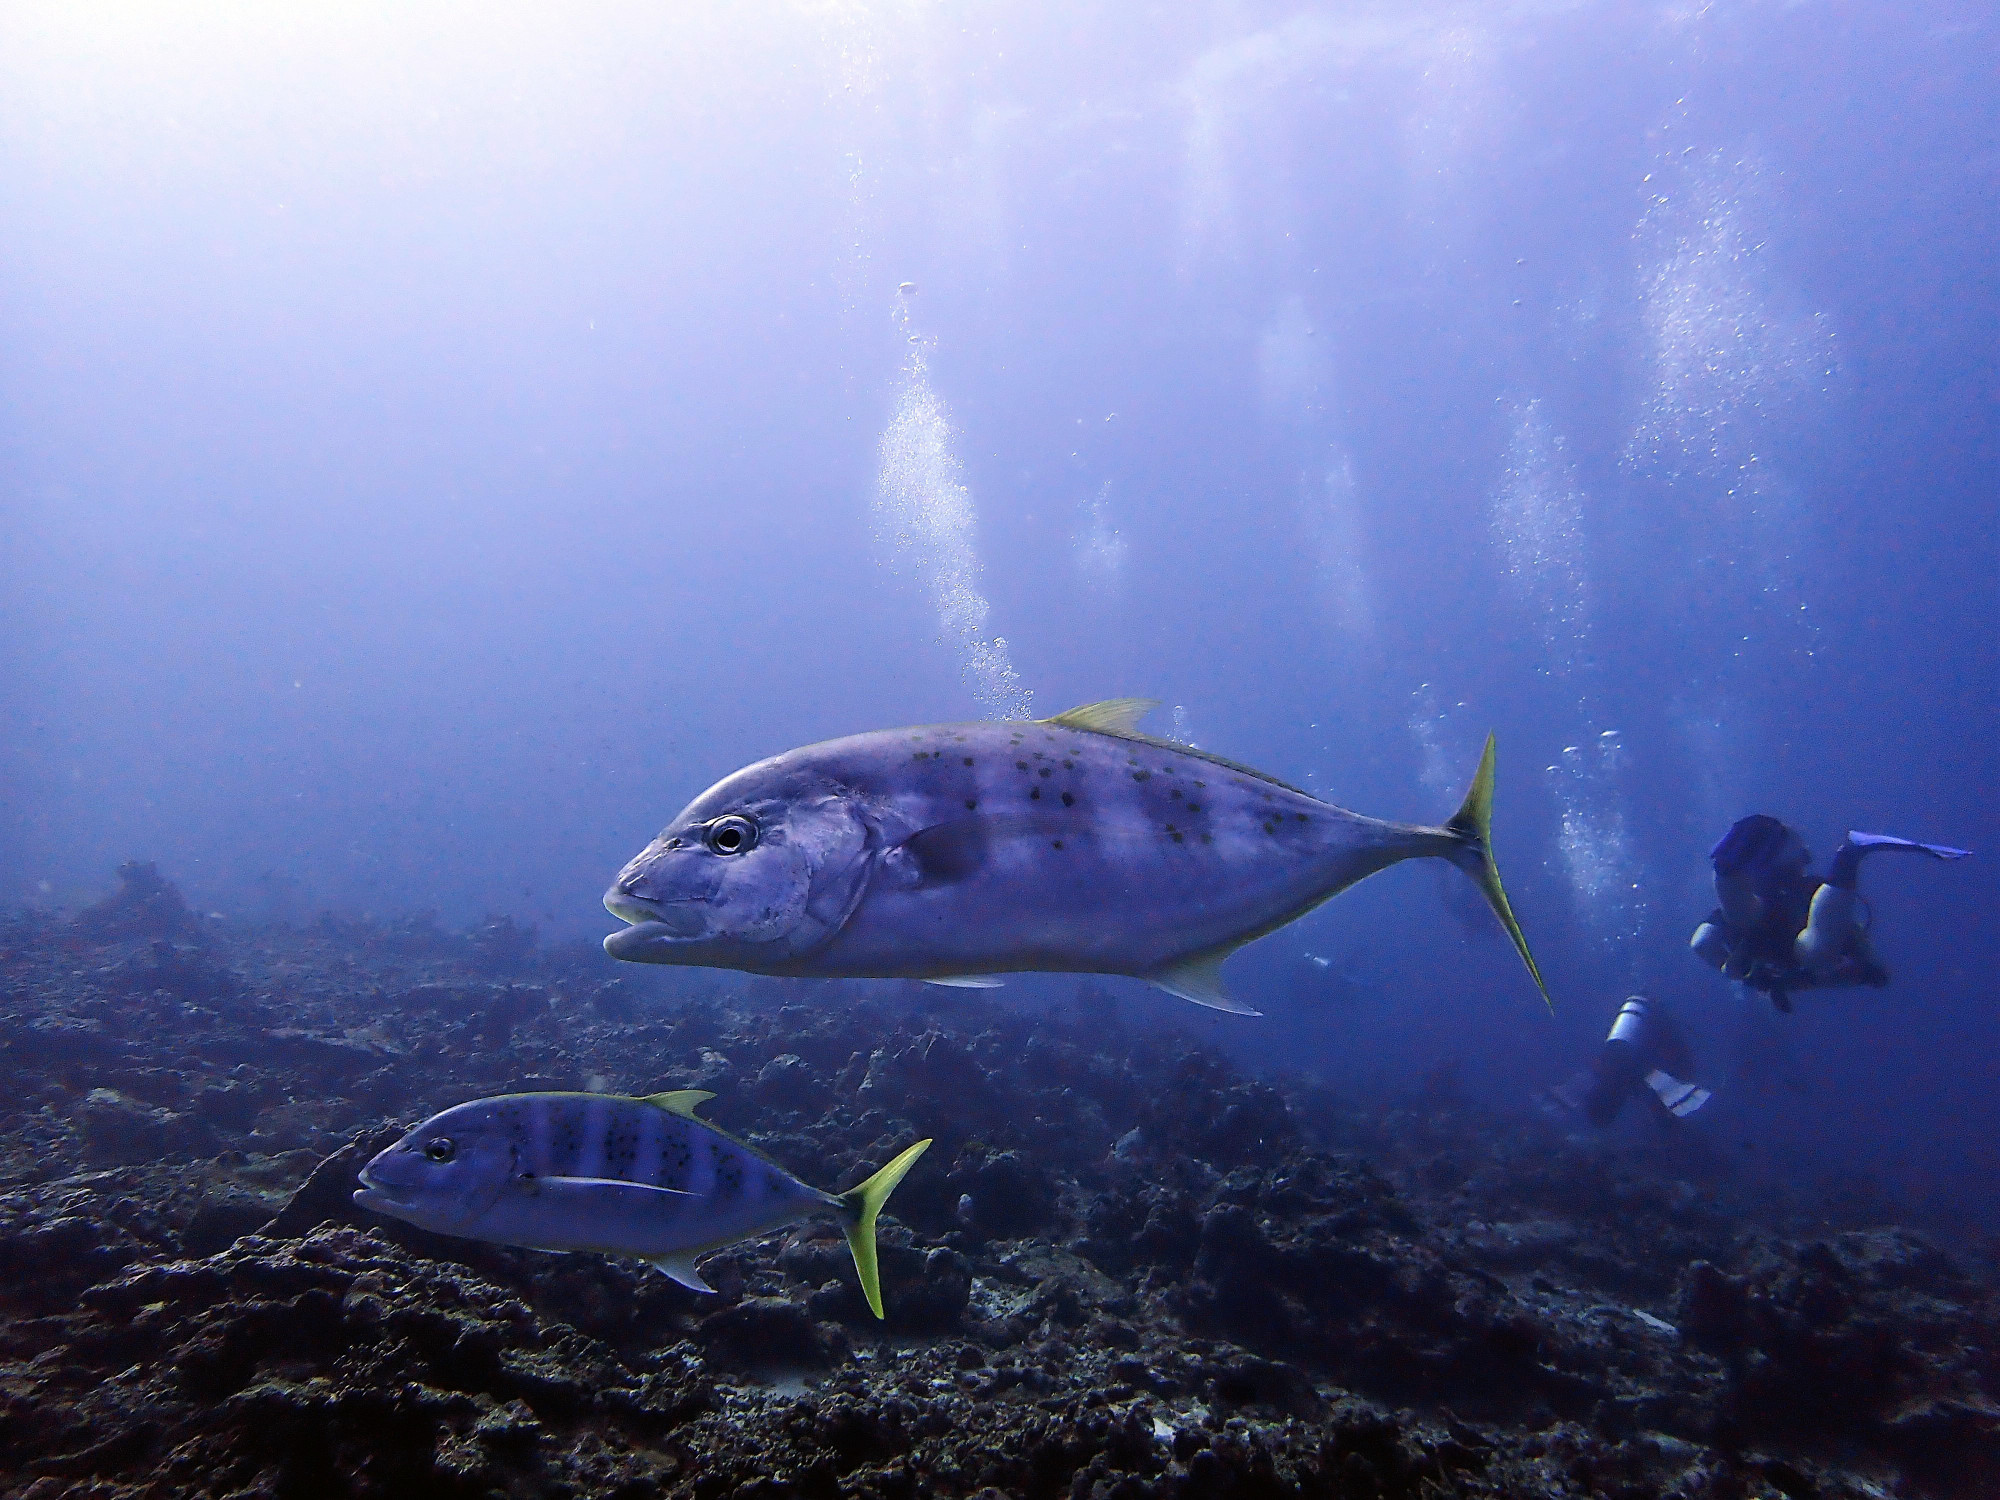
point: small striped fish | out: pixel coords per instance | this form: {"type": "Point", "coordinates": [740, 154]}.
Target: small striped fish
{"type": "Point", "coordinates": [611, 1174]}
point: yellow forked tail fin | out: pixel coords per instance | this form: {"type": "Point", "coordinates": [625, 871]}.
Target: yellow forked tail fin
{"type": "Point", "coordinates": [863, 1204]}
{"type": "Point", "coordinates": [1473, 824]}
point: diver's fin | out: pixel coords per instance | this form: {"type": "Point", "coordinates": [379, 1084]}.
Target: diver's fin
{"type": "Point", "coordinates": [1681, 1099]}
{"type": "Point", "coordinates": [1473, 824]}
{"type": "Point", "coordinates": [682, 1101]}
{"type": "Point", "coordinates": [1862, 840]}
{"type": "Point", "coordinates": [613, 1182]}
{"type": "Point", "coordinates": [1112, 716]}
{"type": "Point", "coordinates": [861, 1205]}
{"type": "Point", "coordinates": [966, 981]}
{"type": "Point", "coordinates": [680, 1267]}
{"type": "Point", "coordinates": [1199, 979]}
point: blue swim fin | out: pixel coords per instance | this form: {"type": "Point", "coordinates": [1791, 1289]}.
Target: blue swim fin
{"type": "Point", "coordinates": [1862, 840]}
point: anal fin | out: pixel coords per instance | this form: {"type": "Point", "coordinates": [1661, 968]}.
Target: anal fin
{"type": "Point", "coordinates": [967, 981]}
{"type": "Point", "coordinates": [1199, 978]}
{"type": "Point", "coordinates": [680, 1267]}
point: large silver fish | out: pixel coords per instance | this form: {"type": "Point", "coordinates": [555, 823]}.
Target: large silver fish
{"type": "Point", "coordinates": [955, 852]}
{"type": "Point", "coordinates": [621, 1176]}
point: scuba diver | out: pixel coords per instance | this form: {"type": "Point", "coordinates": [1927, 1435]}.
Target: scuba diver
{"type": "Point", "coordinates": [1643, 1052]}
{"type": "Point", "coordinates": [1779, 929]}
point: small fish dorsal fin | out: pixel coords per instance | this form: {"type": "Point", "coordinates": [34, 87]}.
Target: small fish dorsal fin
{"type": "Point", "coordinates": [1119, 716]}
{"type": "Point", "coordinates": [682, 1101]}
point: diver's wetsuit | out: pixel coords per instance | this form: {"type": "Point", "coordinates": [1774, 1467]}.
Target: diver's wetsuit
{"type": "Point", "coordinates": [1779, 929]}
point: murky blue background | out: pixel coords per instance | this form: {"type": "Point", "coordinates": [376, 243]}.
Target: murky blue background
{"type": "Point", "coordinates": [437, 443]}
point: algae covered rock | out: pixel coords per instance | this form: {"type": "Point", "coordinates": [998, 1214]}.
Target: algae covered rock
{"type": "Point", "coordinates": [1127, 1269]}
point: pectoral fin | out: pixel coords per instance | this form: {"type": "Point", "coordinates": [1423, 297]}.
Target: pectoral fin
{"type": "Point", "coordinates": [1200, 979]}
{"type": "Point", "coordinates": [967, 981]}
{"type": "Point", "coordinates": [613, 1182]}
{"type": "Point", "coordinates": [680, 1267]}
{"type": "Point", "coordinates": [946, 853]}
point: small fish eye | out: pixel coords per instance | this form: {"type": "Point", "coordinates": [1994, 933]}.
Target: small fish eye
{"type": "Point", "coordinates": [440, 1148]}
{"type": "Point", "coordinates": [731, 835]}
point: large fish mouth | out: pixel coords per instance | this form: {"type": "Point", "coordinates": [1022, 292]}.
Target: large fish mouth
{"type": "Point", "coordinates": [627, 907]}
{"type": "Point", "coordinates": [376, 1194]}
{"type": "Point", "coordinates": [656, 927]}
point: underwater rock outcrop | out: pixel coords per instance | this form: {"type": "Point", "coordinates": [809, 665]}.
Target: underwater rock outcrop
{"type": "Point", "coordinates": [1126, 1269]}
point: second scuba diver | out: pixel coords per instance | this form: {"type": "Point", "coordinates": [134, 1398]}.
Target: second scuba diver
{"type": "Point", "coordinates": [1778, 929]}
{"type": "Point", "coordinates": [1643, 1052]}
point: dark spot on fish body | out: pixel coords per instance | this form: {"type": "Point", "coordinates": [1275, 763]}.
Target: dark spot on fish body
{"type": "Point", "coordinates": [968, 760]}
{"type": "Point", "coordinates": [1069, 765]}
{"type": "Point", "coordinates": [677, 1165]}
{"type": "Point", "coordinates": [971, 803]}
{"type": "Point", "coordinates": [1201, 784]}
{"type": "Point", "coordinates": [1068, 800]}
{"type": "Point", "coordinates": [1207, 838]}
{"type": "Point", "coordinates": [621, 1147]}
{"type": "Point", "coordinates": [1194, 807]}
{"type": "Point", "coordinates": [1055, 843]}
{"type": "Point", "coordinates": [1046, 771]}
{"type": "Point", "coordinates": [1142, 775]}
{"type": "Point", "coordinates": [1302, 817]}
{"type": "Point", "coordinates": [1034, 794]}
{"type": "Point", "coordinates": [1175, 793]}
{"type": "Point", "coordinates": [1020, 765]}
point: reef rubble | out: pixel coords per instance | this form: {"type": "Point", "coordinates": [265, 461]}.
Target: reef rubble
{"type": "Point", "coordinates": [1126, 1269]}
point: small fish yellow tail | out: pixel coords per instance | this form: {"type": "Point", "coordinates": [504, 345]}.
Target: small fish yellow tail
{"type": "Point", "coordinates": [1472, 825]}
{"type": "Point", "coordinates": [862, 1204]}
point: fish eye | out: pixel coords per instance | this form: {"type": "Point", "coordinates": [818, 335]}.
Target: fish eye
{"type": "Point", "coordinates": [731, 835]}
{"type": "Point", "coordinates": [440, 1148]}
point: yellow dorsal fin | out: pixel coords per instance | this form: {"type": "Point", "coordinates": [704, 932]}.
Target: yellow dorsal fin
{"type": "Point", "coordinates": [1119, 718]}
{"type": "Point", "coordinates": [1112, 716]}
{"type": "Point", "coordinates": [682, 1101]}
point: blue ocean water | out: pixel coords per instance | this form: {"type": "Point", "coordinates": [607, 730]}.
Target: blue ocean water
{"type": "Point", "coordinates": [437, 445]}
